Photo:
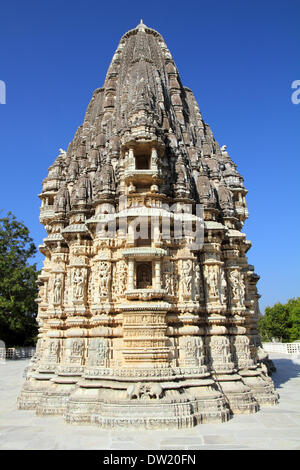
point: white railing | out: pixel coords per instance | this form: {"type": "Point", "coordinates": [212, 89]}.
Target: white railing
{"type": "Point", "coordinates": [17, 353]}
{"type": "Point", "coordinates": [27, 352]}
{"type": "Point", "coordinates": [284, 348]}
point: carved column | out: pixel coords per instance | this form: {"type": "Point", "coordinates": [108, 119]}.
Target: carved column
{"type": "Point", "coordinates": [130, 274]}
{"type": "Point", "coordinates": [157, 274]}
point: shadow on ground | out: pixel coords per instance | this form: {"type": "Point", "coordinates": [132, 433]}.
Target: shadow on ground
{"type": "Point", "coordinates": [286, 369]}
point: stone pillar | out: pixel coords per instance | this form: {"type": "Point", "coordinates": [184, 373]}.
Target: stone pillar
{"type": "Point", "coordinates": [131, 160]}
{"type": "Point", "coordinates": [154, 159]}
{"type": "Point", "coordinates": [130, 274]}
{"type": "Point", "coordinates": [157, 274]}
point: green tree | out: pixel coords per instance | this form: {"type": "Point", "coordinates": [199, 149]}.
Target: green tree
{"type": "Point", "coordinates": [294, 309]}
{"type": "Point", "coordinates": [18, 287]}
{"type": "Point", "coordinates": [281, 321]}
{"type": "Point", "coordinates": [274, 324]}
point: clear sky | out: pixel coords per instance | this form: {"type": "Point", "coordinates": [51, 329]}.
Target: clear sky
{"type": "Point", "coordinates": [240, 59]}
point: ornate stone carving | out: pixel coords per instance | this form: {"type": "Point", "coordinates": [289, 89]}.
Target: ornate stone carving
{"type": "Point", "coordinates": [237, 287]}
{"type": "Point", "coordinates": [57, 290]}
{"type": "Point", "coordinates": [119, 285]}
{"type": "Point", "coordinates": [98, 352]}
{"type": "Point", "coordinates": [241, 351]}
{"type": "Point", "coordinates": [198, 283]}
{"type": "Point", "coordinates": [220, 354]}
{"type": "Point", "coordinates": [212, 281]}
{"type": "Point", "coordinates": [62, 200]}
{"type": "Point", "coordinates": [148, 331]}
{"type": "Point", "coordinates": [186, 277]}
{"type": "Point", "coordinates": [144, 391]}
{"type": "Point", "coordinates": [51, 351]}
{"type": "Point", "coordinates": [78, 281]}
{"type": "Point", "coordinates": [192, 350]}
{"type": "Point", "coordinates": [222, 287]}
{"type": "Point", "coordinates": [104, 273]}
{"type": "Point", "coordinates": [74, 351]}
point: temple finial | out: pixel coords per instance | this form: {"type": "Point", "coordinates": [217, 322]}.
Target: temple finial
{"type": "Point", "coordinates": [141, 25]}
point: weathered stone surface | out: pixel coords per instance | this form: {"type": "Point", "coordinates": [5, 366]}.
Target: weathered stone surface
{"type": "Point", "coordinates": [143, 322]}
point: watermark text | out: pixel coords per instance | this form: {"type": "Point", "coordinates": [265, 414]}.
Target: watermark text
{"type": "Point", "coordinates": [296, 94]}
{"type": "Point", "coordinates": [2, 92]}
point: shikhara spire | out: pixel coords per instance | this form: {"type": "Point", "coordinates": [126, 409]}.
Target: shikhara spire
{"type": "Point", "coordinates": [140, 326]}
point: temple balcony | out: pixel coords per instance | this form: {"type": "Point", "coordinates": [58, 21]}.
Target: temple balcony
{"type": "Point", "coordinates": [145, 294]}
{"type": "Point", "coordinates": [144, 252]}
{"type": "Point", "coordinates": [142, 167]}
{"type": "Point", "coordinates": [141, 177]}
{"type": "Point", "coordinates": [144, 273]}
{"type": "Point", "coordinates": [46, 212]}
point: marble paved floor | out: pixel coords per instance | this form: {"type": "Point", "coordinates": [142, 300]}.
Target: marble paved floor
{"type": "Point", "coordinates": [276, 427]}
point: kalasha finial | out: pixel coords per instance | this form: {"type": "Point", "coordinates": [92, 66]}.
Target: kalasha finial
{"type": "Point", "coordinates": [141, 25]}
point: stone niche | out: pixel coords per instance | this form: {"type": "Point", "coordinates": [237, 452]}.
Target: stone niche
{"type": "Point", "coordinates": [144, 275]}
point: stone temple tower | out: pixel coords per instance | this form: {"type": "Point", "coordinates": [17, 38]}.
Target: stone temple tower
{"type": "Point", "coordinates": [148, 307]}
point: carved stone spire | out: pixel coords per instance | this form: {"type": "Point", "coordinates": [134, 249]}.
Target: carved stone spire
{"type": "Point", "coordinates": [147, 306]}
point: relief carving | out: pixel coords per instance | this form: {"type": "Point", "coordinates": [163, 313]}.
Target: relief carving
{"type": "Point", "coordinates": [212, 281]}
{"type": "Point", "coordinates": [237, 287]}
{"type": "Point", "coordinates": [187, 277]}
{"type": "Point", "coordinates": [78, 284]}
{"type": "Point", "coordinates": [144, 391]}
{"type": "Point", "coordinates": [104, 273]}
{"type": "Point", "coordinates": [57, 290]}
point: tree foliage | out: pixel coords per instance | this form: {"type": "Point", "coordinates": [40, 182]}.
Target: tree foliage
{"type": "Point", "coordinates": [282, 321]}
{"type": "Point", "coordinates": [18, 287]}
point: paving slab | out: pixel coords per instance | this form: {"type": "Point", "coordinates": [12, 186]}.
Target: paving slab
{"type": "Point", "coordinates": [271, 428]}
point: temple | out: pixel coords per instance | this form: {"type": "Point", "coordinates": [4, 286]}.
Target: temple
{"type": "Point", "coordinates": [148, 308]}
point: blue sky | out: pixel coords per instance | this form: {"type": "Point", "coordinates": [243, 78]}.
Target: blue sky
{"type": "Point", "coordinates": [240, 59]}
